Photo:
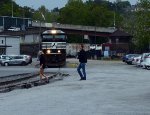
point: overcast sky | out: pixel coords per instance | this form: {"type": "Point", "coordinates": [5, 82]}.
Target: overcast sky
{"type": "Point", "coordinates": [50, 4]}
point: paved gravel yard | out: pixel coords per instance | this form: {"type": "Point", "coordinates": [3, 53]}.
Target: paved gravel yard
{"type": "Point", "coordinates": [111, 88]}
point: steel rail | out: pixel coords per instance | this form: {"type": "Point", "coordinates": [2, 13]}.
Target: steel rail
{"type": "Point", "coordinates": [26, 80]}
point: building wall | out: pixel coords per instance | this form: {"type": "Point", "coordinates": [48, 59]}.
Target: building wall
{"type": "Point", "coordinates": [34, 38]}
{"type": "Point", "coordinates": [13, 45]}
{"type": "Point", "coordinates": [28, 39]}
{"type": "Point", "coordinates": [9, 44]}
{"type": "Point", "coordinates": [73, 49]}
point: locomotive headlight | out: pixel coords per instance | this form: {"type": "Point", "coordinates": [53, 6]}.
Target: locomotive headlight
{"type": "Point", "coordinates": [48, 51]}
{"type": "Point", "coordinates": [59, 51]}
{"type": "Point", "coordinates": [53, 31]}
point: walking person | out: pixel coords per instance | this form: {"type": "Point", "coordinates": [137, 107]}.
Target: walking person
{"type": "Point", "coordinates": [82, 56]}
{"type": "Point", "coordinates": [42, 65]}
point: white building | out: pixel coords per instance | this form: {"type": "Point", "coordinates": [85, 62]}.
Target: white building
{"type": "Point", "coordinates": [73, 48]}
{"type": "Point", "coordinates": [9, 45]}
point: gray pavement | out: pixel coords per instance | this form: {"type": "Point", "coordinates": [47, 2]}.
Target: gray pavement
{"type": "Point", "coordinates": [111, 88]}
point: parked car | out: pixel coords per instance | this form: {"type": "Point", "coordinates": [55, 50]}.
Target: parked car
{"type": "Point", "coordinates": [147, 62]}
{"type": "Point", "coordinates": [17, 60]}
{"type": "Point", "coordinates": [128, 58]}
{"type": "Point", "coordinates": [137, 60]}
{"type": "Point", "coordinates": [143, 60]}
{"type": "Point", "coordinates": [124, 58]}
{"type": "Point", "coordinates": [28, 58]}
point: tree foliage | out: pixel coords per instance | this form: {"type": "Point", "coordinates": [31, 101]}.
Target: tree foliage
{"type": "Point", "coordinates": [10, 8]}
{"type": "Point", "coordinates": [89, 13]}
{"type": "Point", "coordinates": [121, 6]}
{"type": "Point", "coordinates": [142, 28]}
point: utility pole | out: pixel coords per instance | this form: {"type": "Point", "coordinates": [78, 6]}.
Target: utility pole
{"type": "Point", "coordinates": [115, 9]}
{"type": "Point", "coordinates": [12, 8]}
{"type": "Point", "coordinates": [114, 19]}
{"type": "Point", "coordinates": [41, 28]}
{"type": "Point", "coordinates": [95, 57]}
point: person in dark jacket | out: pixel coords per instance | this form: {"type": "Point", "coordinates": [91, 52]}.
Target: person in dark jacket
{"type": "Point", "coordinates": [82, 56]}
{"type": "Point", "coordinates": [42, 65]}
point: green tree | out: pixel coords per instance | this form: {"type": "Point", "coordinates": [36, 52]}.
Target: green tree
{"type": "Point", "coordinates": [54, 15]}
{"type": "Point", "coordinates": [40, 14]}
{"type": "Point", "coordinates": [72, 13]}
{"type": "Point", "coordinates": [142, 28]}
{"type": "Point", "coordinates": [121, 6]}
{"type": "Point", "coordinates": [6, 8]}
{"type": "Point", "coordinates": [44, 15]}
{"type": "Point", "coordinates": [89, 13]}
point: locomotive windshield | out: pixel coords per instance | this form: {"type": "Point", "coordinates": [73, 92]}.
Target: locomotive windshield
{"type": "Point", "coordinates": [59, 37]}
{"type": "Point", "coordinates": [47, 36]}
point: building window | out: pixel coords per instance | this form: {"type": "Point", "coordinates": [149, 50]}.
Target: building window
{"type": "Point", "coordinates": [117, 40]}
{"type": "Point", "coordinates": [2, 51]}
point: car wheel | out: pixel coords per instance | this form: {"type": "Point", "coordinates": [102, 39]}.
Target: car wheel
{"type": "Point", "coordinates": [148, 67]}
{"type": "Point", "coordinates": [23, 63]}
{"type": "Point", "coordinates": [6, 64]}
{"type": "Point", "coordinates": [129, 63]}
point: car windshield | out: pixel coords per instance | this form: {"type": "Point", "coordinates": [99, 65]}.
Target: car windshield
{"type": "Point", "coordinates": [132, 55]}
{"type": "Point", "coordinates": [5, 57]}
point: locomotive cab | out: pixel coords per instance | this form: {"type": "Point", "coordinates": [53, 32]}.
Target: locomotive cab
{"type": "Point", "coordinates": [53, 45]}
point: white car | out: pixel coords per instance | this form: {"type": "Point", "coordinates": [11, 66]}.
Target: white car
{"type": "Point", "coordinates": [14, 29]}
{"type": "Point", "coordinates": [137, 60]}
{"type": "Point", "coordinates": [143, 60]}
{"type": "Point", "coordinates": [147, 61]}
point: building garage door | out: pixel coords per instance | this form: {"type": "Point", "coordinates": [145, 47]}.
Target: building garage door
{"type": "Point", "coordinates": [13, 45]}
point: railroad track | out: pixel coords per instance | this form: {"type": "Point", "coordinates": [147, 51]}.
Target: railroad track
{"type": "Point", "coordinates": [26, 80]}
